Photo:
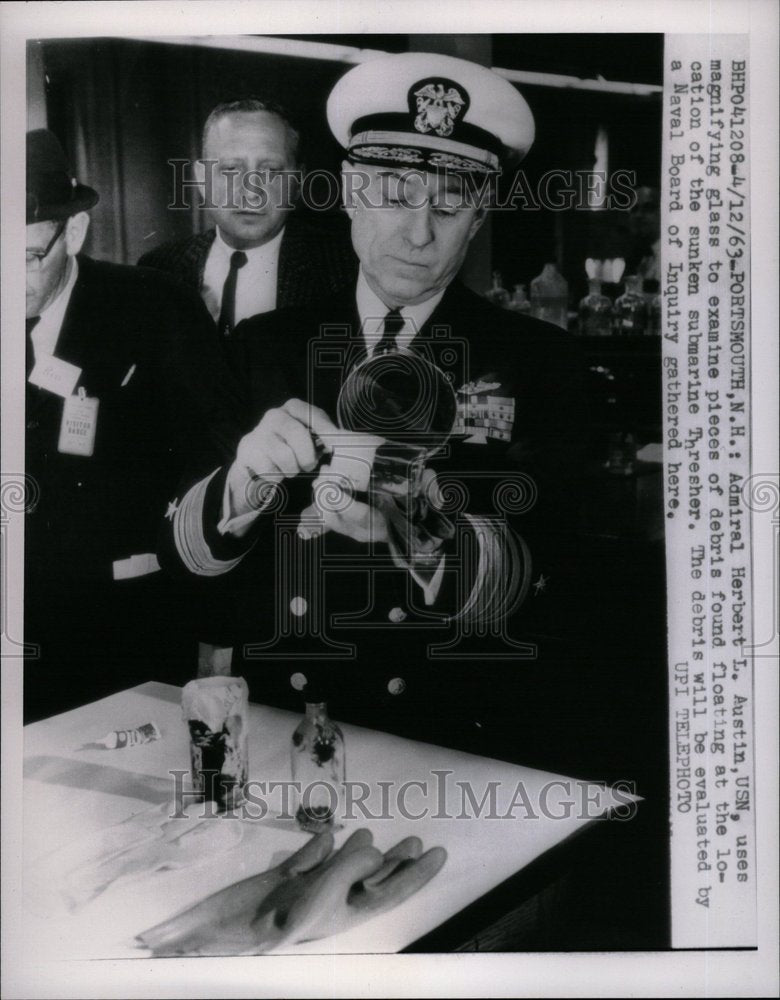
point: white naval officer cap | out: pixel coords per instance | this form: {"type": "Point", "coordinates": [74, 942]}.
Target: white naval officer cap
{"type": "Point", "coordinates": [431, 112]}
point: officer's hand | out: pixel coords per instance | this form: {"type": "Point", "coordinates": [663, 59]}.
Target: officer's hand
{"type": "Point", "coordinates": [336, 509]}
{"type": "Point", "coordinates": [281, 447]}
{"type": "Point", "coordinates": [335, 505]}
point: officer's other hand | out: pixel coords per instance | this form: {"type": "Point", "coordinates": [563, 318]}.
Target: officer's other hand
{"type": "Point", "coordinates": [334, 505]}
{"type": "Point", "coordinates": [288, 440]}
{"type": "Point", "coordinates": [335, 508]}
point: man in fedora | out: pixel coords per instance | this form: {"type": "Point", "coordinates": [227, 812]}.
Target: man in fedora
{"type": "Point", "coordinates": [122, 366]}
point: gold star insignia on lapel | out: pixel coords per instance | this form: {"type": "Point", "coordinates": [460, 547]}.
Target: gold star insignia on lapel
{"type": "Point", "coordinates": [173, 506]}
{"type": "Point", "coordinates": [541, 584]}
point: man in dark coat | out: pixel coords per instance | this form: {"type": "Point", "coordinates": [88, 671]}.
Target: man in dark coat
{"type": "Point", "coordinates": [439, 628]}
{"type": "Point", "coordinates": [261, 254]}
{"type": "Point", "coordinates": [123, 367]}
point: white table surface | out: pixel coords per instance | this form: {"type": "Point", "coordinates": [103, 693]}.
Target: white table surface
{"type": "Point", "coordinates": [70, 794]}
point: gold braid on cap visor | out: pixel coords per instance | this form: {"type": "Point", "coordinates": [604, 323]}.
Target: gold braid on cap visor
{"type": "Point", "coordinates": [432, 151]}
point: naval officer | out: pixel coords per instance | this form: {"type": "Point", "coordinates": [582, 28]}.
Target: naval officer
{"type": "Point", "coordinates": [407, 382]}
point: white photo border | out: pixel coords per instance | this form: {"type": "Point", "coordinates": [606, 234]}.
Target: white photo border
{"type": "Point", "coordinates": [721, 973]}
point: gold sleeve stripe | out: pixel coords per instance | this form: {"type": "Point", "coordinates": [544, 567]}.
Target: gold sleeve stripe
{"type": "Point", "coordinates": [503, 572]}
{"type": "Point", "coordinates": [189, 537]}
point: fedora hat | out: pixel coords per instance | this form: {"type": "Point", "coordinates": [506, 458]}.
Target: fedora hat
{"type": "Point", "coordinates": [53, 193]}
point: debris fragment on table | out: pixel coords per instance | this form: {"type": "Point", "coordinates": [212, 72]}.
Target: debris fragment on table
{"type": "Point", "coordinates": [118, 739]}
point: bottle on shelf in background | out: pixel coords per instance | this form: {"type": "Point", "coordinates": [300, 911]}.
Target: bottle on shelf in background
{"type": "Point", "coordinates": [621, 453]}
{"type": "Point", "coordinates": [497, 294]}
{"type": "Point", "coordinates": [654, 316]}
{"type": "Point", "coordinates": [654, 305]}
{"type": "Point", "coordinates": [519, 301]}
{"type": "Point", "coordinates": [630, 315]}
{"type": "Point", "coordinates": [595, 312]}
{"type": "Point", "coordinates": [550, 297]}
{"type": "Point", "coordinates": [318, 763]}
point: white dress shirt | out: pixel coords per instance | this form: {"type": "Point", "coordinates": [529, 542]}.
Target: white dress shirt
{"type": "Point", "coordinates": [47, 330]}
{"type": "Point", "coordinates": [256, 280]}
{"type": "Point", "coordinates": [372, 312]}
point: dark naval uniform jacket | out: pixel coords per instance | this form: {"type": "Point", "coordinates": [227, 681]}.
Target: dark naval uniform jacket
{"type": "Point", "coordinates": [314, 261]}
{"type": "Point", "coordinates": [147, 351]}
{"type": "Point", "coordinates": [458, 671]}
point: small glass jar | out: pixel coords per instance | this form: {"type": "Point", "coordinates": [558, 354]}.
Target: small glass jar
{"type": "Point", "coordinates": [318, 764]}
{"type": "Point", "coordinates": [654, 311]}
{"type": "Point", "coordinates": [216, 710]}
{"type": "Point", "coordinates": [519, 302]}
{"type": "Point", "coordinates": [621, 454]}
{"type": "Point", "coordinates": [550, 297]}
{"type": "Point", "coordinates": [497, 294]}
{"type": "Point", "coordinates": [595, 312]}
{"type": "Point", "coordinates": [630, 316]}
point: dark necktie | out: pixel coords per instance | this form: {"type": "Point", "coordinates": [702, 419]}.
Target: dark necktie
{"type": "Point", "coordinates": [30, 324]}
{"type": "Point", "coordinates": [227, 313]}
{"type": "Point", "coordinates": [394, 323]}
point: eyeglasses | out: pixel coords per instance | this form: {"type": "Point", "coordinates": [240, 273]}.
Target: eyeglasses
{"type": "Point", "coordinates": [35, 258]}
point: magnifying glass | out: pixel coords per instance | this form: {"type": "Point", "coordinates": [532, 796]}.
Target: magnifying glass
{"type": "Point", "coordinates": [400, 396]}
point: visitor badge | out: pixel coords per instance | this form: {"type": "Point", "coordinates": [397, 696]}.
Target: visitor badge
{"type": "Point", "coordinates": [79, 424]}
